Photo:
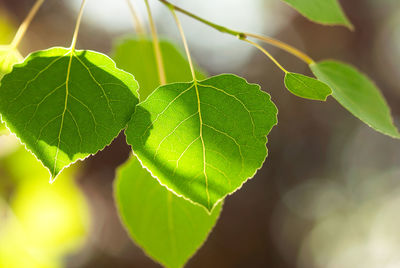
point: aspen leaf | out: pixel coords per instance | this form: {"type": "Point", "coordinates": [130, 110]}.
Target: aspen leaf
{"type": "Point", "coordinates": [203, 139]}
{"type": "Point", "coordinates": [66, 105]}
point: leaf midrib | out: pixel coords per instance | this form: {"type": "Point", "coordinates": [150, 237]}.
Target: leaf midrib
{"type": "Point", "coordinates": [67, 95]}
{"type": "Point", "coordinates": [63, 114]}
{"type": "Point", "coordinates": [202, 143]}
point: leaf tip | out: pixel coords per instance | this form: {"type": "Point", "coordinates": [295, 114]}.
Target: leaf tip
{"type": "Point", "coordinates": [53, 176]}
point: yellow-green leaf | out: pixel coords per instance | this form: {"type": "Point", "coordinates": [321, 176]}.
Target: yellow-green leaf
{"type": "Point", "coordinates": [167, 227]}
{"type": "Point", "coordinates": [203, 139]}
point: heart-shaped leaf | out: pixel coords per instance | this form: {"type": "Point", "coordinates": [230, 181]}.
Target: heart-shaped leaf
{"type": "Point", "coordinates": [65, 105]}
{"type": "Point", "coordinates": [203, 139]}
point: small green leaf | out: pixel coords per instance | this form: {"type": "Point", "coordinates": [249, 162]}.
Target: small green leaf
{"type": "Point", "coordinates": [66, 105]}
{"type": "Point", "coordinates": [203, 139]}
{"type": "Point", "coordinates": [327, 12]}
{"type": "Point", "coordinates": [137, 57]}
{"type": "Point", "coordinates": [307, 87]}
{"type": "Point", "coordinates": [8, 57]}
{"type": "Point", "coordinates": [167, 227]}
{"type": "Point", "coordinates": [358, 94]}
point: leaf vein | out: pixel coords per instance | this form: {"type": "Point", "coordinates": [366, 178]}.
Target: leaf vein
{"type": "Point", "coordinates": [238, 100]}
{"type": "Point", "coordinates": [172, 132]}
{"type": "Point", "coordinates": [77, 128]}
{"type": "Point", "coordinates": [230, 137]}
{"type": "Point", "coordinates": [163, 111]}
{"type": "Point", "coordinates": [184, 151]}
{"type": "Point", "coordinates": [36, 76]}
{"type": "Point", "coordinates": [98, 84]}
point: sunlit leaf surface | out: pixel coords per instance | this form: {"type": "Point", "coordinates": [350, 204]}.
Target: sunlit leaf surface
{"type": "Point", "coordinates": [203, 139]}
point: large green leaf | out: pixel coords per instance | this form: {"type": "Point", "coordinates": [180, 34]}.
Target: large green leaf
{"type": "Point", "coordinates": [136, 55]}
{"type": "Point", "coordinates": [358, 94]}
{"type": "Point", "coordinates": [167, 227]}
{"type": "Point", "coordinates": [66, 105]}
{"type": "Point", "coordinates": [327, 12]}
{"type": "Point", "coordinates": [307, 87]}
{"type": "Point", "coordinates": [203, 139]}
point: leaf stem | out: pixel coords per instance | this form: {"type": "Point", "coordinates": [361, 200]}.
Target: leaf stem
{"type": "Point", "coordinates": [242, 35]}
{"type": "Point", "coordinates": [78, 23]}
{"type": "Point", "coordinates": [178, 23]}
{"type": "Point", "coordinates": [136, 20]}
{"type": "Point", "coordinates": [288, 48]}
{"type": "Point", "coordinates": [266, 53]}
{"type": "Point", "coordinates": [25, 24]}
{"type": "Point", "coordinates": [156, 46]}
{"type": "Point", "coordinates": [209, 23]}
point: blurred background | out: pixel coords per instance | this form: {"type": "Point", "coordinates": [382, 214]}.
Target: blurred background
{"type": "Point", "coordinates": [328, 195]}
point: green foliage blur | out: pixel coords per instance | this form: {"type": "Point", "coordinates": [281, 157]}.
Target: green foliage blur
{"type": "Point", "coordinates": [40, 223]}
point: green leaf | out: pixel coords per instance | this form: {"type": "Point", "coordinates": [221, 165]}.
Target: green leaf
{"type": "Point", "coordinates": [203, 139]}
{"type": "Point", "coordinates": [307, 87]}
{"type": "Point", "coordinates": [8, 57]}
{"type": "Point", "coordinates": [137, 57]}
{"type": "Point", "coordinates": [190, 224]}
{"type": "Point", "coordinates": [167, 227]}
{"type": "Point", "coordinates": [66, 105]}
{"type": "Point", "coordinates": [327, 12]}
{"type": "Point", "coordinates": [358, 94]}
